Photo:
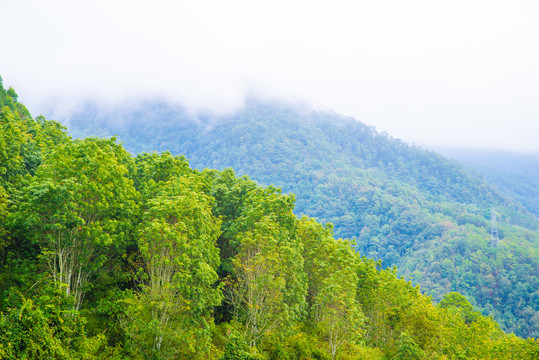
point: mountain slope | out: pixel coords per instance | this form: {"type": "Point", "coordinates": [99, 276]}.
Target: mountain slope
{"type": "Point", "coordinates": [516, 175]}
{"type": "Point", "coordinates": [406, 206]}
{"type": "Point", "coordinates": [106, 255]}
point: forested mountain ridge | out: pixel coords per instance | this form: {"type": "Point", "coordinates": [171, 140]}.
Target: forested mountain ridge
{"type": "Point", "coordinates": [396, 200]}
{"type": "Point", "coordinates": [109, 256]}
{"type": "Point", "coordinates": [289, 135]}
{"type": "Point", "coordinates": [515, 174]}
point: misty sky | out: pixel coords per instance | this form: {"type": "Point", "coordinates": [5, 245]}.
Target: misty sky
{"type": "Point", "coordinates": [433, 73]}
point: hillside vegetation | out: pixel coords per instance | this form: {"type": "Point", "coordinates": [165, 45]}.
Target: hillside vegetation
{"type": "Point", "coordinates": [109, 256]}
{"type": "Point", "coordinates": [408, 207]}
{"type": "Point", "coordinates": [514, 174]}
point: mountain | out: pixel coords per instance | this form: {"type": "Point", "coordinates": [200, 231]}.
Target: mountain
{"type": "Point", "coordinates": [411, 208]}
{"type": "Point", "coordinates": [515, 174]}
{"type": "Point", "coordinates": [108, 255]}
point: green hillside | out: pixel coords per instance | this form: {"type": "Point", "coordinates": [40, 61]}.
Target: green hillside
{"type": "Point", "coordinates": [404, 205]}
{"type": "Point", "coordinates": [514, 174]}
{"type": "Point", "coordinates": [106, 255]}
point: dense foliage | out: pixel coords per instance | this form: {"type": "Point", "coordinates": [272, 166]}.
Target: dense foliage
{"type": "Point", "coordinates": [515, 174]}
{"type": "Point", "coordinates": [406, 206]}
{"type": "Point", "coordinates": [108, 256]}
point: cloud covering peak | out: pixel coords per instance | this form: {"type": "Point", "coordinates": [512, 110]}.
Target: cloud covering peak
{"type": "Point", "coordinates": [461, 73]}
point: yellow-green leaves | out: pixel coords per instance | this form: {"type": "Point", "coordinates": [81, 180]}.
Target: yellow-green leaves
{"type": "Point", "coordinates": [78, 203]}
{"type": "Point", "coordinates": [177, 239]}
{"type": "Point", "coordinates": [332, 267]}
{"type": "Point", "coordinates": [267, 286]}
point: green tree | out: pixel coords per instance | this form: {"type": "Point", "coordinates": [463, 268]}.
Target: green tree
{"type": "Point", "coordinates": [332, 268]}
{"type": "Point", "coordinates": [80, 202]}
{"type": "Point", "coordinates": [267, 289]}
{"type": "Point", "coordinates": [461, 304]}
{"type": "Point", "coordinates": [153, 169]}
{"type": "Point", "coordinates": [172, 315]}
{"type": "Point", "coordinates": [337, 313]}
{"type": "Point", "coordinates": [47, 328]}
{"type": "Point", "coordinates": [13, 138]}
{"type": "Point", "coordinates": [408, 349]}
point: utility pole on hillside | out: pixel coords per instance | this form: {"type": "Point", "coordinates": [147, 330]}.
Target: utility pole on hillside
{"type": "Point", "coordinates": [493, 229]}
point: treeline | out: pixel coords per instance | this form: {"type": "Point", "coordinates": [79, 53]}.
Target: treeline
{"type": "Point", "coordinates": [405, 206]}
{"type": "Point", "coordinates": [106, 255]}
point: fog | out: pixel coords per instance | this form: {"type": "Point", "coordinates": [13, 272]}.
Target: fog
{"type": "Point", "coordinates": [445, 74]}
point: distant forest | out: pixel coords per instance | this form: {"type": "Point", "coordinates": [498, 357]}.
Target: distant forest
{"type": "Point", "coordinates": [515, 175]}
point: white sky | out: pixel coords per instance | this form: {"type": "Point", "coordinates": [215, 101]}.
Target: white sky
{"type": "Point", "coordinates": [435, 73]}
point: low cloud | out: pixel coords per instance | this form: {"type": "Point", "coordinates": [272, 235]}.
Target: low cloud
{"type": "Point", "coordinates": [459, 73]}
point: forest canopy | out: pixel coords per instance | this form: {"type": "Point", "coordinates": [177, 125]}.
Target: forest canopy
{"type": "Point", "coordinates": [406, 206]}
{"type": "Point", "coordinates": [109, 255]}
